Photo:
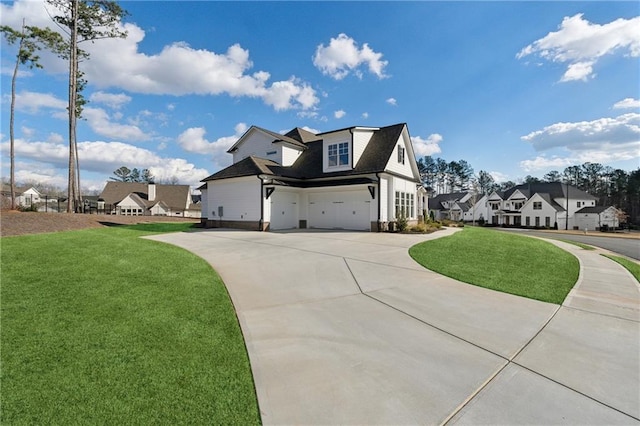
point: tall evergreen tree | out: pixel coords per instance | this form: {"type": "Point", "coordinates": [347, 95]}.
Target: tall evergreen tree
{"type": "Point", "coordinates": [82, 21]}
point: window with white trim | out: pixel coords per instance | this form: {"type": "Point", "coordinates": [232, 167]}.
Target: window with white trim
{"type": "Point", "coordinates": [404, 204]}
{"type": "Point", "coordinates": [537, 205]}
{"type": "Point", "coordinates": [338, 154]}
{"type": "Point", "coordinates": [400, 154]}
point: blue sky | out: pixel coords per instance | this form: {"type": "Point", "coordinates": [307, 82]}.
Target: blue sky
{"type": "Point", "coordinates": [514, 88]}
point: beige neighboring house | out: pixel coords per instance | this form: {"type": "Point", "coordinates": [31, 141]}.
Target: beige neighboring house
{"type": "Point", "coordinates": [142, 199]}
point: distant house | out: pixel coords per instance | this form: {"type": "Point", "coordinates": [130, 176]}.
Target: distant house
{"type": "Point", "coordinates": [458, 206]}
{"type": "Point", "coordinates": [142, 199]}
{"type": "Point", "coordinates": [26, 196]}
{"type": "Point", "coordinates": [598, 217]}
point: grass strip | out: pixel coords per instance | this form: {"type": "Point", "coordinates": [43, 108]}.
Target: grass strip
{"type": "Point", "coordinates": [631, 266]}
{"type": "Point", "coordinates": [502, 261]}
{"type": "Point", "coordinates": [102, 327]}
{"type": "Point", "coordinates": [576, 243]}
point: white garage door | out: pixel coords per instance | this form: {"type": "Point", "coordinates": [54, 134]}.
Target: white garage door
{"type": "Point", "coordinates": [284, 210]}
{"type": "Point", "coordinates": [340, 210]}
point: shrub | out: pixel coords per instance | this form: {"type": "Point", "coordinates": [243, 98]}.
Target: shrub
{"type": "Point", "coordinates": [31, 208]}
{"type": "Point", "coordinates": [402, 223]}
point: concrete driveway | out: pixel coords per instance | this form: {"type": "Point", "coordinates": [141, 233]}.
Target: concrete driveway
{"type": "Point", "coordinates": [345, 328]}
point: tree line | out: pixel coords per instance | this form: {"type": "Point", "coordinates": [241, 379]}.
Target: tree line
{"type": "Point", "coordinates": [612, 187]}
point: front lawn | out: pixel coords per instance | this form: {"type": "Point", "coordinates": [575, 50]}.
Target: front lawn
{"type": "Point", "coordinates": [102, 327]}
{"type": "Point", "coordinates": [502, 261]}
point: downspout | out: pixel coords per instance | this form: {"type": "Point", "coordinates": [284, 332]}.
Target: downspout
{"type": "Point", "coordinates": [261, 221]}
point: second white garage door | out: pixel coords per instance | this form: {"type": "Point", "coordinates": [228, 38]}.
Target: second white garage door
{"type": "Point", "coordinates": [340, 210]}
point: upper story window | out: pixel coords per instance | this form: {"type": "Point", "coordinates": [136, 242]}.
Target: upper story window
{"type": "Point", "coordinates": [495, 205]}
{"type": "Point", "coordinates": [400, 154]}
{"type": "Point", "coordinates": [578, 204]}
{"type": "Point", "coordinates": [537, 205]}
{"type": "Point", "coordinates": [338, 154]}
{"type": "Point", "coordinates": [518, 205]}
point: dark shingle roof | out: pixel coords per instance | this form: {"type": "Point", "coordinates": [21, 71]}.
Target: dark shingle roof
{"type": "Point", "coordinates": [174, 196]}
{"type": "Point", "coordinates": [593, 209]}
{"type": "Point", "coordinates": [549, 199]}
{"type": "Point", "coordinates": [554, 189]}
{"type": "Point", "coordinates": [435, 203]}
{"type": "Point", "coordinates": [250, 166]}
{"type": "Point", "coordinates": [302, 135]}
{"type": "Point", "coordinates": [309, 164]}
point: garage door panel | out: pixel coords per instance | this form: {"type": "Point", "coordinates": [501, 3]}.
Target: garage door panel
{"type": "Point", "coordinates": [340, 210]}
{"type": "Point", "coordinates": [284, 210]}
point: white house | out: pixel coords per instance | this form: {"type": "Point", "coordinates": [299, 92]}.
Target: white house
{"type": "Point", "coordinates": [596, 218]}
{"type": "Point", "coordinates": [359, 178]}
{"type": "Point", "coordinates": [548, 204]}
{"type": "Point", "coordinates": [142, 199]}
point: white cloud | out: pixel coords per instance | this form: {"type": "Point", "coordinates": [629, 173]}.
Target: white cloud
{"type": "Point", "coordinates": [33, 102]}
{"type": "Point", "coordinates": [392, 101]}
{"type": "Point", "coordinates": [499, 177]}
{"type": "Point", "coordinates": [339, 114]}
{"type": "Point", "coordinates": [105, 157]}
{"type": "Point", "coordinates": [627, 103]}
{"type": "Point", "coordinates": [365, 115]}
{"type": "Point", "coordinates": [343, 56]}
{"type": "Point", "coordinates": [177, 69]}
{"type": "Point", "coordinates": [112, 100]}
{"type": "Point", "coordinates": [580, 44]}
{"type": "Point", "coordinates": [101, 123]}
{"type": "Point", "coordinates": [603, 140]}
{"type": "Point", "coordinates": [582, 135]}
{"type": "Point", "coordinates": [193, 140]}
{"type": "Point", "coordinates": [428, 146]}
{"type": "Point", "coordinates": [311, 129]}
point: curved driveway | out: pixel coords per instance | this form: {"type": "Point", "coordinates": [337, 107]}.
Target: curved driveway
{"type": "Point", "coordinates": [345, 328]}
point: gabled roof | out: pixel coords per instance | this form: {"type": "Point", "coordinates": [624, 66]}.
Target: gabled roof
{"type": "Point", "coordinates": [277, 137]}
{"type": "Point", "coordinates": [302, 135]}
{"type": "Point", "coordinates": [250, 166]}
{"type": "Point", "coordinates": [174, 196]}
{"type": "Point", "coordinates": [554, 189]}
{"type": "Point", "coordinates": [309, 164]}
{"type": "Point", "coordinates": [593, 209]}
{"type": "Point", "coordinates": [550, 201]}
{"type": "Point", "coordinates": [435, 203]}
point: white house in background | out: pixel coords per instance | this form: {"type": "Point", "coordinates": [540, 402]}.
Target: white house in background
{"type": "Point", "coordinates": [27, 196]}
{"type": "Point", "coordinates": [142, 199]}
{"type": "Point", "coordinates": [359, 178]}
{"type": "Point", "coordinates": [458, 206]}
{"type": "Point", "coordinates": [548, 204]}
{"type": "Point", "coordinates": [598, 217]}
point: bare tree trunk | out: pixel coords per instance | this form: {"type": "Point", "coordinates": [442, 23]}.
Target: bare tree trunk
{"type": "Point", "coordinates": [12, 154]}
{"type": "Point", "coordinates": [73, 81]}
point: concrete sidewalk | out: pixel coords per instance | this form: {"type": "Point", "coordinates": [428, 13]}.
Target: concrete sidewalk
{"type": "Point", "coordinates": [346, 328]}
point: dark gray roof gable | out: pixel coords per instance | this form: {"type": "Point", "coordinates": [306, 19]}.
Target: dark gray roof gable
{"type": "Point", "coordinates": [554, 189]}
{"type": "Point", "coordinates": [593, 209]}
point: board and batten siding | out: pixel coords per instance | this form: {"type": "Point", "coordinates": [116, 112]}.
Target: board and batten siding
{"type": "Point", "coordinates": [546, 211]}
{"type": "Point", "coordinates": [397, 167]}
{"type": "Point", "coordinates": [240, 199]}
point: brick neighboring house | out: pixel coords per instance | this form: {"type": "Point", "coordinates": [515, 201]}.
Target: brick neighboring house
{"type": "Point", "coordinates": [142, 199]}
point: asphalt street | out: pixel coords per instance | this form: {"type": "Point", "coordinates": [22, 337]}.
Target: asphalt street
{"type": "Point", "coordinates": [626, 246]}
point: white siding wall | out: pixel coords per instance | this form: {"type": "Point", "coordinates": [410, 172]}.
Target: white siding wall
{"type": "Point", "coordinates": [239, 197]}
{"type": "Point", "coordinates": [289, 155]}
{"type": "Point", "coordinates": [573, 204]}
{"type": "Point", "coordinates": [205, 213]}
{"type": "Point", "coordinates": [258, 144]}
{"type": "Point", "coordinates": [361, 138]}
{"type": "Point", "coordinates": [394, 166]}
{"type": "Point", "coordinates": [546, 211]}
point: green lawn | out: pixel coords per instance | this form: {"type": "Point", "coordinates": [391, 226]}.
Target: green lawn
{"type": "Point", "coordinates": [502, 261]}
{"type": "Point", "coordinates": [102, 327]}
{"type": "Point", "coordinates": [632, 267]}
